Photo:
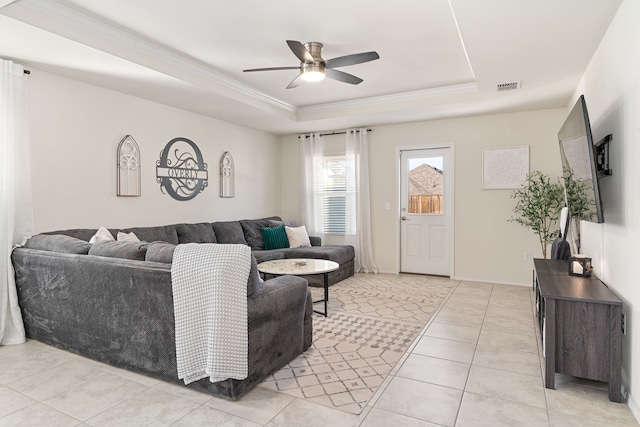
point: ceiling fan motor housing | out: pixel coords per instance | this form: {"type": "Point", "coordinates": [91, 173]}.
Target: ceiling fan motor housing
{"type": "Point", "coordinates": [315, 49]}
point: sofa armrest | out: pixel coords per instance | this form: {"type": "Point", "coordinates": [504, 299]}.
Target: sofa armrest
{"type": "Point", "coordinates": [280, 294]}
{"type": "Point", "coordinates": [280, 311]}
{"type": "Point", "coordinates": [315, 240]}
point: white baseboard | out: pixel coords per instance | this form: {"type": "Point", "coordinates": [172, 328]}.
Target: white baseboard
{"type": "Point", "coordinates": [497, 282]}
{"type": "Point", "coordinates": [474, 279]}
{"type": "Point", "coordinates": [635, 410]}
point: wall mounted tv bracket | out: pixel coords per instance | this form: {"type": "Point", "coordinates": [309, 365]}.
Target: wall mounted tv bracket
{"type": "Point", "coordinates": [601, 149]}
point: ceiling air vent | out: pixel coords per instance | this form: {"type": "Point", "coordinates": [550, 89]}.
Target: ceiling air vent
{"type": "Point", "coordinates": [502, 87]}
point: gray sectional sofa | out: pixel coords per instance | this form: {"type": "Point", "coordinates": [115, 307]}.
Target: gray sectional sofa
{"type": "Point", "coordinates": [246, 232]}
{"type": "Point", "coordinates": [113, 302]}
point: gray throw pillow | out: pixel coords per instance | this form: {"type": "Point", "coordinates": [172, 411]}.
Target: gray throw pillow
{"type": "Point", "coordinates": [58, 243]}
{"type": "Point", "coordinates": [126, 250]}
{"type": "Point", "coordinates": [196, 233]}
{"type": "Point", "coordinates": [160, 252]}
{"type": "Point", "coordinates": [229, 232]}
{"type": "Point", "coordinates": [252, 229]}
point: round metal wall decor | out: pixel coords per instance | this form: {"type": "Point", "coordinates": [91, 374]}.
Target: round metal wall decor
{"type": "Point", "coordinates": [181, 170]}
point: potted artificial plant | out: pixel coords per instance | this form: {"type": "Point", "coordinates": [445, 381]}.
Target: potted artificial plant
{"type": "Point", "coordinates": [538, 206]}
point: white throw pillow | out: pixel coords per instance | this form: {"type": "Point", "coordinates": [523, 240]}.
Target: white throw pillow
{"type": "Point", "coordinates": [102, 235]}
{"type": "Point", "coordinates": [127, 237]}
{"type": "Point", "coordinates": [298, 236]}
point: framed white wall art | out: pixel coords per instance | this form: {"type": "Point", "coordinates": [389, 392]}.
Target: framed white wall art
{"type": "Point", "coordinates": [128, 168]}
{"type": "Point", "coordinates": [505, 168]}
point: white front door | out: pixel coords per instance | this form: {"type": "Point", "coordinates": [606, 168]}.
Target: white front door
{"type": "Point", "coordinates": [425, 211]}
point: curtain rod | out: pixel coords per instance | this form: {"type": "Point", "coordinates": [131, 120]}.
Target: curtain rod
{"type": "Point", "coordinates": [335, 133]}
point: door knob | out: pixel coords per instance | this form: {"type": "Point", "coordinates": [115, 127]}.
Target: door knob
{"type": "Point", "coordinates": [404, 218]}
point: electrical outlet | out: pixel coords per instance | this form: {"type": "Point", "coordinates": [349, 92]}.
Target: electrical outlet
{"type": "Point", "coordinates": [526, 257]}
{"type": "Point", "coordinates": [623, 323]}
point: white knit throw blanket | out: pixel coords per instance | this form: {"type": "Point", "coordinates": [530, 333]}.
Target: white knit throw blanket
{"type": "Point", "coordinates": [209, 284]}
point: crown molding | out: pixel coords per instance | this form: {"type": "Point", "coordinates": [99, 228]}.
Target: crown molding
{"type": "Point", "coordinates": [4, 3]}
{"type": "Point", "coordinates": [136, 49]}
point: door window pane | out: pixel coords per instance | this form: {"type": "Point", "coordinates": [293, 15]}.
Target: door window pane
{"type": "Point", "coordinates": [425, 185]}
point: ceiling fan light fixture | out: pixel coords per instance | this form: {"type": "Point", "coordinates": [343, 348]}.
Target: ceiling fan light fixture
{"type": "Point", "coordinates": [312, 72]}
{"type": "Point", "coordinates": [312, 76]}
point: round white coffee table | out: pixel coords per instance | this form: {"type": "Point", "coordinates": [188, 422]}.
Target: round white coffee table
{"type": "Point", "coordinates": [301, 267]}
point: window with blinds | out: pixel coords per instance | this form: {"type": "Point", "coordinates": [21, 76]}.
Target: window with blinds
{"type": "Point", "coordinates": [334, 192]}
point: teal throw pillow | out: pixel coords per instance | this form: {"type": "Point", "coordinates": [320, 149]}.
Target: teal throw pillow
{"type": "Point", "coordinates": [275, 237]}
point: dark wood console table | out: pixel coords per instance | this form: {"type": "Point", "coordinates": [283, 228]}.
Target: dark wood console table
{"type": "Point", "coordinates": [579, 320]}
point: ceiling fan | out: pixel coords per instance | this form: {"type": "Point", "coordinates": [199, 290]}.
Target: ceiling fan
{"type": "Point", "coordinates": [313, 68]}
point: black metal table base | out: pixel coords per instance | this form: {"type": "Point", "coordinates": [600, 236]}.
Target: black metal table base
{"type": "Point", "coordinates": [325, 300]}
{"type": "Point", "coordinates": [326, 296]}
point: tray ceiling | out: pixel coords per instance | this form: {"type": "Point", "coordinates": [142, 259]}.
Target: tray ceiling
{"type": "Point", "coordinates": [438, 59]}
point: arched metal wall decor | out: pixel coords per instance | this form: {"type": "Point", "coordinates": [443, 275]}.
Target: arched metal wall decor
{"type": "Point", "coordinates": [128, 168]}
{"type": "Point", "coordinates": [181, 170]}
{"type": "Point", "coordinates": [227, 176]}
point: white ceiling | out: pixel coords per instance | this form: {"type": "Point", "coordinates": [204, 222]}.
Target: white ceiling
{"type": "Point", "coordinates": [438, 58]}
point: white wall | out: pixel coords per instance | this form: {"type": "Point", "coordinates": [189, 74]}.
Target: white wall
{"type": "Point", "coordinates": [487, 246]}
{"type": "Point", "coordinates": [611, 86]}
{"type": "Point", "coordinates": [74, 132]}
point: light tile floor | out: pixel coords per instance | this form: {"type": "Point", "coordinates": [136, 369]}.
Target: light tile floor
{"type": "Point", "coordinates": [477, 363]}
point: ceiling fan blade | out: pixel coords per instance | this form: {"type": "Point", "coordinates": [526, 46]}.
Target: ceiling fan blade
{"type": "Point", "coordinates": [300, 51]}
{"type": "Point", "coordinates": [295, 82]}
{"type": "Point", "coordinates": [356, 58]}
{"type": "Point", "coordinates": [271, 69]}
{"type": "Point", "coordinates": [342, 76]}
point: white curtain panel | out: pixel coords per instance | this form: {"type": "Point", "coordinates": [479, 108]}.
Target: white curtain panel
{"type": "Point", "coordinates": [16, 208]}
{"type": "Point", "coordinates": [358, 205]}
{"type": "Point", "coordinates": [312, 197]}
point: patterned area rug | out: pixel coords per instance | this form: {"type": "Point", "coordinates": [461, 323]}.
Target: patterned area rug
{"type": "Point", "coordinates": [372, 321]}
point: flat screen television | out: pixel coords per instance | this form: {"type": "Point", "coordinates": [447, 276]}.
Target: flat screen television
{"type": "Point", "coordinates": [579, 165]}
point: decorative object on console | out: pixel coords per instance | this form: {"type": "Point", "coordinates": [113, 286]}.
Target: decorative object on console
{"type": "Point", "coordinates": [227, 176]}
{"type": "Point", "coordinates": [580, 265]}
{"type": "Point", "coordinates": [505, 168]}
{"type": "Point", "coordinates": [128, 168]}
{"type": "Point", "coordinates": [181, 170]}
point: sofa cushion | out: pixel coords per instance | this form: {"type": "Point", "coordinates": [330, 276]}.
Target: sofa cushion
{"type": "Point", "coordinates": [262, 256]}
{"type": "Point", "coordinates": [275, 237]}
{"type": "Point", "coordinates": [126, 250]}
{"type": "Point", "coordinates": [58, 243]}
{"type": "Point", "coordinates": [166, 233]}
{"type": "Point", "coordinates": [79, 233]}
{"type": "Point", "coordinates": [196, 233]}
{"type": "Point", "coordinates": [252, 229]}
{"type": "Point", "coordinates": [338, 253]}
{"type": "Point", "coordinates": [160, 252]}
{"type": "Point", "coordinates": [276, 223]}
{"type": "Point", "coordinates": [229, 232]}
